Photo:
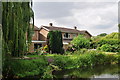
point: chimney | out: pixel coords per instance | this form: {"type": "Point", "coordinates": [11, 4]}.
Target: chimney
{"type": "Point", "coordinates": [75, 27]}
{"type": "Point", "coordinates": [50, 24]}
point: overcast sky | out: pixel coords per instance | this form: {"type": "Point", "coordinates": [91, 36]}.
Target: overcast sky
{"type": "Point", "coordinates": [95, 17]}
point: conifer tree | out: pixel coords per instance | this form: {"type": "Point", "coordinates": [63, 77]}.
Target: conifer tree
{"type": "Point", "coordinates": [54, 42]}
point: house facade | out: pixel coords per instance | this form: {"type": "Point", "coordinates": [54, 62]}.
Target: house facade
{"type": "Point", "coordinates": [40, 35]}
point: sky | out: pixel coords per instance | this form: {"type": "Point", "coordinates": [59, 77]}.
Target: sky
{"type": "Point", "coordinates": [95, 17]}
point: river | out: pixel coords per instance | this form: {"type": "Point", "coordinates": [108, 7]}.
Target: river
{"type": "Point", "coordinates": [110, 72]}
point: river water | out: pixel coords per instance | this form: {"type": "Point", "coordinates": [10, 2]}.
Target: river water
{"type": "Point", "coordinates": [106, 72]}
{"type": "Point", "coordinates": [101, 72]}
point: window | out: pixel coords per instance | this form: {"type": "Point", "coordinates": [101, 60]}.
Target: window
{"type": "Point", "coordinates": [37, 45]}
{"type": "Point", "coordinates": [66, 35]}
{"type": "Point", "coordinates": [74, 35]}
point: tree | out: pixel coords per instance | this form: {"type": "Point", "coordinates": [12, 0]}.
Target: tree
{"type": "Point", "coordinates": [16, 18]}
{"type": "Point", "coordinates": [80, 42]}
{"type": "Point", "coordinates": [119, 32]}
{"type": "Point", "coordinates": [113, 35]}
{"type": "Point", "coordinates": [102, 34]}
{"type": "Point", "coordinates": [54, 42]}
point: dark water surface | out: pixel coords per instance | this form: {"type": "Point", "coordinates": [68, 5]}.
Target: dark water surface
{"type": "Point", "coordinates": [102, 72]}
{"type": "Point", "coordinates": [98, 72]}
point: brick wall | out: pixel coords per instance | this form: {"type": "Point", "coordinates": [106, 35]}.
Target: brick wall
{"type": "Point", "coordinates": [43, 34]}
{"type": "Point", "coordinates": [35, 35]}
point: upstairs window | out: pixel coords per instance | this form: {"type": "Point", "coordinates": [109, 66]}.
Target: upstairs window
{"type": "Point", "coordinates": [74, 35]}
{"type": "Point", "coordinates": [66, 35]}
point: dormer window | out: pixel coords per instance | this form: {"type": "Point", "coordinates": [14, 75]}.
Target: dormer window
{"type": "Point", "coordinates": [66, 35]}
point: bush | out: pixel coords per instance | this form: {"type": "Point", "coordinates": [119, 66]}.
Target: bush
{"type": "Point", "coordinates": [23, 68]}
{"type": "Point", "coordinates": [109, 48]}
{"type": "Point", "coordinates": [80, 42]}
{"type": "Point", "coordinates": [44, 65]}
{"type": "Point", "coordinates": [81, 51]}
{"type": "Point", "coordinates": [105, 47]}
{"type": "Point", "coordinates": [108, 41]}
{"type": "Point", "coordinates": [46, 48]}
{"type": "Point", "coordinates": [113, 35]}
{"type": "Point", "coordinates": [98, 41]}
{"type": "Point", "coordinates": [102, 34]}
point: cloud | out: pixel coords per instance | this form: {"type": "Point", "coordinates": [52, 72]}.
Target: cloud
{"type": "Point", "coordinates": [96, 17]}
{"type": "Point", "coordinates": [75, 0]}
{"type": "Point", "coordinates": [52, 9]}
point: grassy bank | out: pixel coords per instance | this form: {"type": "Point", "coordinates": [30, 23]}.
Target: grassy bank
{"type": "Point", "coordinates": [43, 65]}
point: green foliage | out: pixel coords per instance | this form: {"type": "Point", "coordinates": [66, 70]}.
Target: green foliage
{"type": "Point", "coordinates": [41, 51]}
{"type": "Point", "coordinates": [113, 35]}
{"type": "Point", "coordinates": [23, 68]}
{"type": "Point", "coordinates": [55, 43]}
{"type": "Point", "coordinates": [45, 65]}
{"type": "Point", "coordinates": [81, 51]}
{"type": "Point", "coordinates": [108, 41]}
{"type": "Point", "coordinates": [48, 73]}
{"type": "Point", "coordinates": [102, 34]}
{"type": "Point", "coordinates": [93, 58]}
{"type": "Point", "coordinates": [46, 48]}
{"type": "Point", "coordinates": [111, 39]}
{"type": "Point", "coordinates": [15, 24]}
{"type": "Point", "coordinates": [109, 48]}
{"type": "Point", "coordinates": [105, 47]}
{"type": "Point", "coordinates": [80, 42]}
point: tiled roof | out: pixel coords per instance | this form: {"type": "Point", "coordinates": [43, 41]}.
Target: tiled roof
{"type": "Point", "coordinates": [62, 29]}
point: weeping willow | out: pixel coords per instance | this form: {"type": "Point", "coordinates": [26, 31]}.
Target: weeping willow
{"type": "Point", "coordinates": [118, 31]}
{"type": "Point", "coordinates": [17, 32]}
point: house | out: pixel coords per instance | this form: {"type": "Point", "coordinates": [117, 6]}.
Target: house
{"type": "Point", "coordinates": [40, 35]}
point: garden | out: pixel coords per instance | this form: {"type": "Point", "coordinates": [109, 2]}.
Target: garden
{"type": "Point", "coordinates": [42, 64]}
{"type": "Point", "coordinates": [82, 53]}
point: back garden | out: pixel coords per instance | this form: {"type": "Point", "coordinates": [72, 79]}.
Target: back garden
{"type": "Point", "coordinates": [46, 62]}
{"type": "Point", "coordinates": [83, 54]}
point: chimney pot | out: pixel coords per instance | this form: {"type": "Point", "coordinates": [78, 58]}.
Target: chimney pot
{"type": "Point", "coordinates": [75, 27]}
{"type": "Point", "coordinates": [51, 24]}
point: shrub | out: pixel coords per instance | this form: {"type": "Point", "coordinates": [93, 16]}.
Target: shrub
{"type": "Point", "coordinates": [98, 41]}
{"type": "Point", "coordinates": [80, 42]}
{"type": "Point", "coordinates": [31, 53]}
{"type": "Point", "coordinates": [113, 35]}
{"type": "Point", "coordinates": [109, 48]}
{"type": "Point", "coordinates": [81, 51]}
{"type": "Point", "coordinates": [108, 41]}
{"type": "Point", "coordinates": [46, 48]}
{"type": "Point", "coordinates": [23, 68]}
{"type": "Point", "coordinates": [45, 65]}
{"type": "Point", "coordinates": [102, 34]}
{"type": "Point", "coordinates": [105, 47]}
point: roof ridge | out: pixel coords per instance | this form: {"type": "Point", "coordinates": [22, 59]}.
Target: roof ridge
{"type": "Point", "coordinates": [60, 27]}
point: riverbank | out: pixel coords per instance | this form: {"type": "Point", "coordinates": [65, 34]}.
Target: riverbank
{"type": "Point", "coordinates": [44, 65]}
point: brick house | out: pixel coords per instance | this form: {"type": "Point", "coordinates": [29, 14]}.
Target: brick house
{"type": "Point", "coordinates": [40, 35]}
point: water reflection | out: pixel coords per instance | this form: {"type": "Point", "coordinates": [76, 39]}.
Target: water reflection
{"type": "Point", "coordinates": [104, 71]}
